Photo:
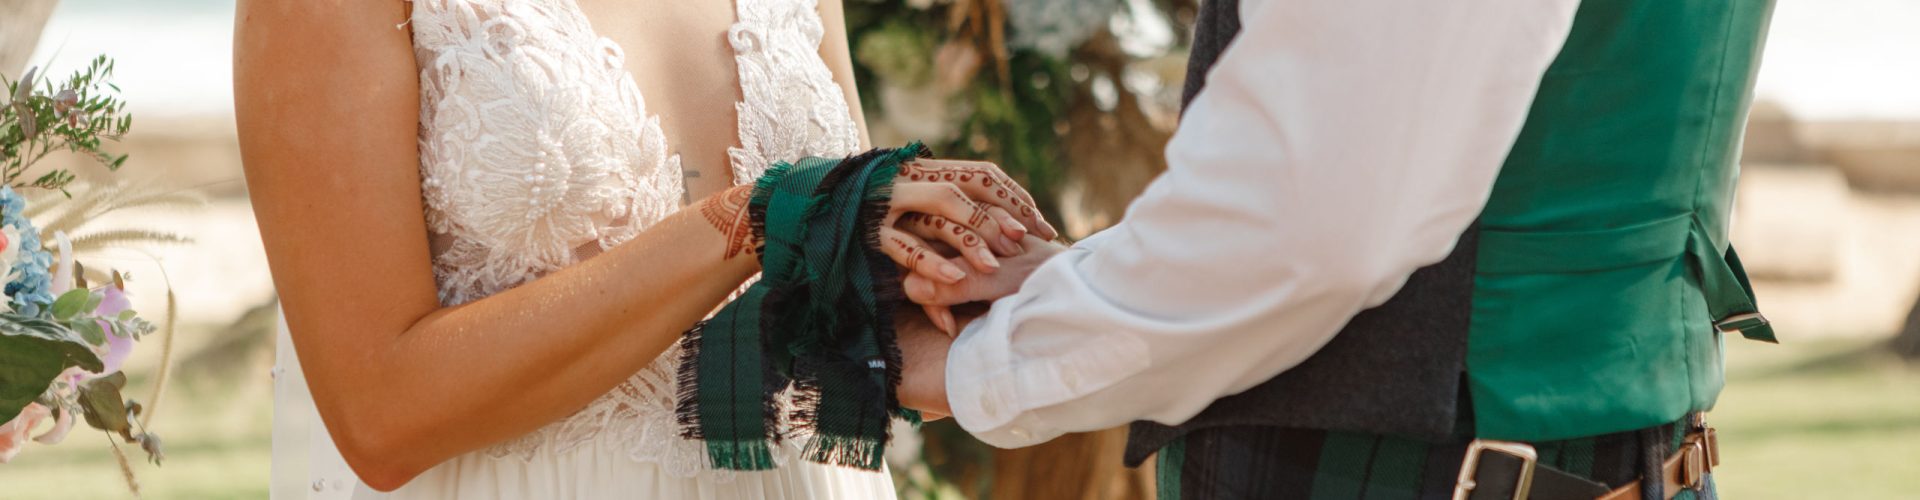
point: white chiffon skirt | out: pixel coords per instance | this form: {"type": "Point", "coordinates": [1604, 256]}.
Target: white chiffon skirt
{"type": "Point", "coordinates": [602, 470]}
{"type": "Point", "coordinates": [306, 465]}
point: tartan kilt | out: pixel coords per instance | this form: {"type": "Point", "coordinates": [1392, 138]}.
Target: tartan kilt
{"type": "Point", "coordinates": [1280, 463]}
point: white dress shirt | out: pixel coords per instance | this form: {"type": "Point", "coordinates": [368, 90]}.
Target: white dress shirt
{"type": "Point", "coordinates": [1338, 146]}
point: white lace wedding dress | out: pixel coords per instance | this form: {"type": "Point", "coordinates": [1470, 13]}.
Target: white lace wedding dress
{"type": "Point", "coordinates": [537, 152]}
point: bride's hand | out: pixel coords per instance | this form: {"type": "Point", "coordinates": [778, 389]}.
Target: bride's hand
{"type": "Point", "coordinates": [984, 182]}
{"type": "Point", "coordinates": [966, 205]}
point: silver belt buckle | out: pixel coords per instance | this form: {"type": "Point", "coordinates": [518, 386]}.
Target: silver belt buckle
{"type": "Point", "coordinates": [1463, 487]}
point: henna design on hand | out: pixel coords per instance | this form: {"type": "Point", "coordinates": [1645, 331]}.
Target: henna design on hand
{"type": "Point", "coordinates": [727, 212]}
{"type": "Point", "coordinates": [940, 224]}
{"type": "Point", "coordinates": [964, 174]}
{"type": "Point", "coordinates": [979, 216]}
{"type": "Point", "coordinates": [915, 253]}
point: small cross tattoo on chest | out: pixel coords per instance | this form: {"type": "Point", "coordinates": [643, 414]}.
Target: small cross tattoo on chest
{"type": "Point", "coordinates": [686, 190]}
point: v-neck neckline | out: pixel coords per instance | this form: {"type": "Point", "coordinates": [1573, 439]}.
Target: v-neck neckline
{"type": "Point", "coordinates": [739, 88]}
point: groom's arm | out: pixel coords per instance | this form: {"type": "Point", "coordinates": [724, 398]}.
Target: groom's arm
{"type": "Point", "coordinates": [1338, 146]}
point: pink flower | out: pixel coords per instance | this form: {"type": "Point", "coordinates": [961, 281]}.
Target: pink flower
{"type": "Point", "coordinates": [13, 435]}
{"type": "Point", "coordinates": [118, 348]}
{"type": "Point", "coordinates": [63, 419]}
{"type": "Point", "coordinates": [112, 303]}
{"type": "Point", "coordinates": [62, 422]}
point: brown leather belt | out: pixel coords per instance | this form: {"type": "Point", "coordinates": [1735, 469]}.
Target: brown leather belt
{"type": "Point", "coordinates": [1510, 470]}
{"type": "Point", "coordinates": [1685, 470]}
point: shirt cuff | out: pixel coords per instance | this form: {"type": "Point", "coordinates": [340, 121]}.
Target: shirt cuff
{"type": "Point", "coordinates": [982, 400]}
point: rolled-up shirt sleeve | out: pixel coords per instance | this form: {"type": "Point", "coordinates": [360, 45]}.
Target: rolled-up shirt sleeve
{"type": "Point", "coordinates": [1338, 146]}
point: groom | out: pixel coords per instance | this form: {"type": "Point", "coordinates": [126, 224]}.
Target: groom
{"type": "Point", "coordinates": [1403, 249]}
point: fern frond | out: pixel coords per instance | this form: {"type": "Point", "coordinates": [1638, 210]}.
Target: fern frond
{"type": "Point", "coordinates": [37, 204]}
{"type": "Point", "coordinates": [75, 211]}
{"type": "Point", "coordinates": [166, 353]}
{"type": "Point", "coordinates": [171, 199]}
{"type": "Point", "coordinates": [125, 237]}
{"type": "Point", "coordinates": [92, 202]}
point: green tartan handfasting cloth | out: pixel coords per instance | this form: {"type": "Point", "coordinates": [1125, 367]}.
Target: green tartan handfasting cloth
{"type": "Point", "coordinates": [820, 319]}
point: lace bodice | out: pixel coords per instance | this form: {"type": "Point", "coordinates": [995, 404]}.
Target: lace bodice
{"type": "Point", "coordinates": [537, 151]}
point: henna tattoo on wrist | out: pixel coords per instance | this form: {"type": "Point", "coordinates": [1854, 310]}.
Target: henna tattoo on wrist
{"type": "Point", "coordinates": [727, 212]}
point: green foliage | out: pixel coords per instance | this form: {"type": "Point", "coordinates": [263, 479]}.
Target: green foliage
{"type": "Point", "coordinates": [100, 402]}
{"type": "Point", "coordinates": [78, 115]}
{"type": "Point", "coordinates": [220, 440]}
{"type": "Point", "coordinates": [1012, 103]}
{"type": "Point", "coordinates": [70, 303]}
{"type": "Point", "coordinates": [1013, 121]}
{"type": "Point", "coordinates": [898, 52]}
{"type": "Point", "coordinates": [33, 351]}
{"type": "Point", "coordinates": [1017, 126]}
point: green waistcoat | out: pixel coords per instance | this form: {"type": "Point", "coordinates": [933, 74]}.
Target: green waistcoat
{"type": "Point", "coordinates": [1603, 265]}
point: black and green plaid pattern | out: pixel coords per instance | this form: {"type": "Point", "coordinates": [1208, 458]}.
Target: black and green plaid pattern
{"type": "Point", "coordinates": [1279, 463]}
{"type": "Point", "coordinates": [819, 319]}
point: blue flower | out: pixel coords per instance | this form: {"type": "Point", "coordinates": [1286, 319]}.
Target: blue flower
{"type": "Point", "coordinates": [30, 290]}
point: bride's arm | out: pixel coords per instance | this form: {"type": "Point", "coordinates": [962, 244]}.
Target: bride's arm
{"type": "Point", "coordinates": [327, 105]}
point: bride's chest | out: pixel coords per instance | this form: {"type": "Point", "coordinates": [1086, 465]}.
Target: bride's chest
{"type": "Point", "coordinates": [540, 133]}
{"type": "Point", "coordinates": [681, 60]}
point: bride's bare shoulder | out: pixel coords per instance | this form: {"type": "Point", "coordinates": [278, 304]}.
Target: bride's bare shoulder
{"type": "Point", "coordinates": [302, 69]}
{"type": "Point", "coordinates": [334, 20]}
{"type": "Point", "coordinates": [290, 41]}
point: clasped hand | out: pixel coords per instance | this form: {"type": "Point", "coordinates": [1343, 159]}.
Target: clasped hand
{"type": "Point", "coordinates": [948, 216]}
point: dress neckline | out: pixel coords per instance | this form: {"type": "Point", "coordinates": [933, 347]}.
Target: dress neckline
{"type": "Point", "coordinates": [672, 153]}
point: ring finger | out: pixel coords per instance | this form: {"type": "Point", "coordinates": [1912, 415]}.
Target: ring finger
{"type": "Point", "coordinates": [931, 227]}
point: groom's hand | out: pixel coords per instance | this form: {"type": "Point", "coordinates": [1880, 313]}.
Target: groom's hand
{"type": "Point", "coordinates": [983, 287]}
{"type": "Point", "coordinates": [923, 359]}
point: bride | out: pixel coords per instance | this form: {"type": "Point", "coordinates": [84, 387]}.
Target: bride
{"type": "Point", "coordinates": [473, 211]}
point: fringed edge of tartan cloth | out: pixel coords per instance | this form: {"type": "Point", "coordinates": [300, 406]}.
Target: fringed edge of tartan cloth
{"type": "Point", "coordinates": [820, 319]}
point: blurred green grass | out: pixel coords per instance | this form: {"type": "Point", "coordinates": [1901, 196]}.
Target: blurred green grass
{"type": "Point", "coordinates": [1815, 419]}
{"type": "Point", "coordinates": [1820, 419]}
{"type": "Point", "coordinates": [218, 445]}
{"type": "Point", "coordinates": [215, 424]}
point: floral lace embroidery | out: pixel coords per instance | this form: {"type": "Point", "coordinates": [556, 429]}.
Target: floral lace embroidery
{"type": "Point", "coordinates": [537, 151]}
{"type": "Point", "coordinates": [790, 107]}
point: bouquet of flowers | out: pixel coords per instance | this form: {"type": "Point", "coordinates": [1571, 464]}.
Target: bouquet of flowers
{"type": "Point", "coordinates": [65, 330]}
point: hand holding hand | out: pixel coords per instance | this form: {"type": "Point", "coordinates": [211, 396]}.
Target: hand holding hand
{"type": "Point", "coordinates": [934, 296]}
{"type": "Point", "coordinates": [923, 358]}
{"type": "Point", "coordinates": [967, 205]}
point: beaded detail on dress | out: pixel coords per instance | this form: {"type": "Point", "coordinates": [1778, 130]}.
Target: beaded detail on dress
{"type": "Point", "coordinates": [537, 151]}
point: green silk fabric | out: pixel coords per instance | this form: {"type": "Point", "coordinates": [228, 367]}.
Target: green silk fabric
{"type": "Point", "coordinates": [819, 319]}
{"type": "Point", "coordinates": [1603, 262]}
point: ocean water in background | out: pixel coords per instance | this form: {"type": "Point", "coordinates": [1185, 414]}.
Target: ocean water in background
{"type": "Point", "coordinates": [173, 58]}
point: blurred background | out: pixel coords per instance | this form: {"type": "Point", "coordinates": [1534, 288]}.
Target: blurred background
{"type": "Point", "coordinates": [1078, 97]}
